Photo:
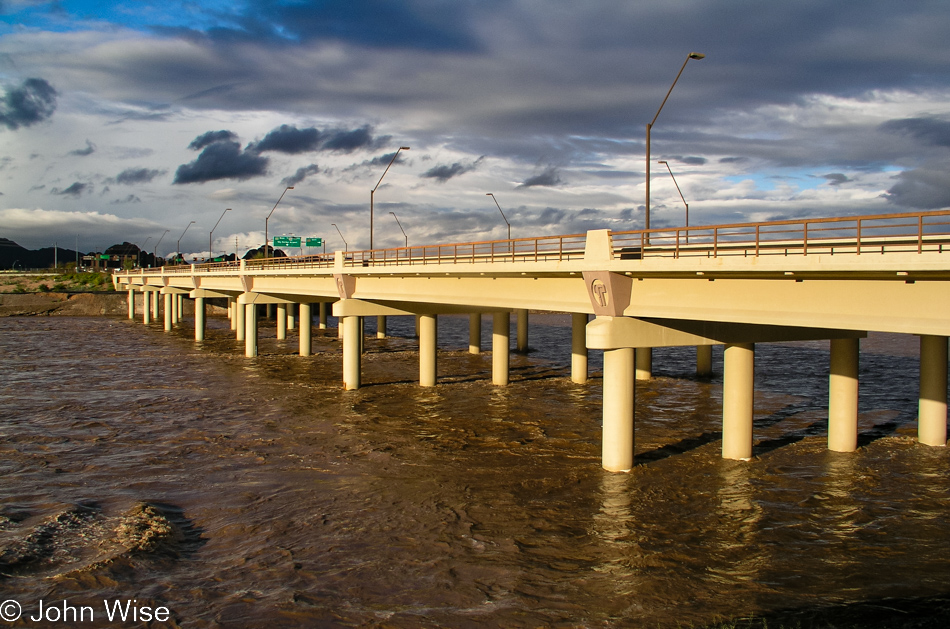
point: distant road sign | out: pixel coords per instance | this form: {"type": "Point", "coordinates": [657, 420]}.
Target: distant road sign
{"type": "Point", "coordinates": [286, 241]}
{"type": "Point", "coordinates": [314, 242]}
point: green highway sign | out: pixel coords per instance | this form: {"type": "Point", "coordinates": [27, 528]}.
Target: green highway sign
{"type": "Point", "coordinates": [314, 242]}
{"type": "Point", "coordinates": [286, 241]}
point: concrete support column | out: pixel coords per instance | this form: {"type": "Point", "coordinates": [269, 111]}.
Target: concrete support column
{"type": "Point", "coordinates": [619, 399]}
{"type": "Point", "coordinates": [500, 341]}
{"type": "Point", "coordinates": [240, 321]}
{"type": "Point", "coordinates": [428, 344]}
{"type": "Point", "coordinates": [522, 328]}
{"type": "Point", "coordinates": [306, 327]}
{"type": "Point", "coordinates": [351, 352]}
{"type": "Point", "coordinates": [380, 327]}
{"type": "Point", "coordinates": [281, 322]}
{"type": "Point", "coordinates": [324, 306]}
{"type": "Point", "coordinates": [155, 306]}
{"type": "Point", "coordinates": [169, 312]}
{"type": "Point", "coordinates": [738, 380]}
{"type": "Point", "coordinates": [417, 325]}
{"type": "Point", "coordinates": [232, 312]}
{"type": "Point", "coordinates": [146, 308]}
{"type": "Point", "coordinates": [932, 411]}
{"type": "Point", "coordinates": [704, 360]}
{"type": "Point", "coordinates": [132, 303]}
{"type": "Point", "coordinates": [843, 396]}
{"type": "Point", "coordinates": [475, 333]}
{"type": "Point", "coordinates": [180, 310]}
{"type": "Point", "coordinates": [644, 363]}
{"type": "Point", "coordinates": [291, 316]}
{"type": "Point", "coordinates": [199, 318]}
{"type": "Point", "coordinates": [270, 311]}
{"type": "Point", "coordinates": [250, 330]}
{"type": "Point", "coordinates": [579, 347]}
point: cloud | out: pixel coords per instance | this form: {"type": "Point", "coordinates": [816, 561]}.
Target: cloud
{"type": "Point", "coordinates": [129, 199]}
{"type": "Point", "coordinates": [33, 101]}
{"type": "Point", "coordinates": [131, 176]}
{"type": "Point", "coordinates": [301, 174]}
{"type": "Point", "coordinates": [211, 137]}
{"type": "Point", "coordinates": [550, 177]}
{"type": "Point", "coordinates": [222, 160]}
{"type": "Point", "coordinates": [836, 179]}
{"type": "Point", "coordinates": [89, 150]}
{"type": "Point", "coordinates": [75, 190]}
{"type": "Point", "coordinates": [690, 160]}
{"type": "Point", "coordinates": [922, 188]}
{"type": "Point", "coordinates": [444, 172]}
{"type": "Point", "coordinates": [289, 139]}
{"type": "Point", "coordinates": [930, 130]}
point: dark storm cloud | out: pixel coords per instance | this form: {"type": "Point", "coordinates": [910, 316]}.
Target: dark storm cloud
{"type": "Point", "coordinates": [690, 160]}
{"type": "Point", "coordinates": [74, 190]}
{"type": "Point", "coordinates": [129, 199]}
{"type": "Point", "coordinates": [922, 188]}
{"type": "Point", "coordinates": [211, 137]}
{"type": "Point", "coordinates": [929, 130]}
{"type": "Point", "coordinates": [444, 172]}
{"type": "Point", "coordinates": [301, 174]}
{"type": "Point", "coordinates": [89, 150]}
{"type": "Point", "coordinates": [222, 160]}
{"type": "Point", "coordinates": [289, 139]}
{"type": "Point", "coordinates": [836, 179]}
{"type": "Point", "coordinates": [33, 101]}
{"type": "Point", "coordinates": [549, 177]}
{"type": "Point", "coordinates": [131, 176]}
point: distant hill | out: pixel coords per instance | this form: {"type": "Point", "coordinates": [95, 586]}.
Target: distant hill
{"type": "Point", "coordinates": [13, 254]}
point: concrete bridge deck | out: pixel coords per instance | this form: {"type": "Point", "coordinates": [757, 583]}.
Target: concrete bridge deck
{"type": "Point", "coordinates": [735, 285]}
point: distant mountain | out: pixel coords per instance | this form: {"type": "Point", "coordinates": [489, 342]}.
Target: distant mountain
{"type": "Point", "coordinates": [13, 254]}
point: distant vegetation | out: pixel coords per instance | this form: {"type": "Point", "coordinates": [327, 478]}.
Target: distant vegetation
{"type": "Point", "coordinates": [57, 282]}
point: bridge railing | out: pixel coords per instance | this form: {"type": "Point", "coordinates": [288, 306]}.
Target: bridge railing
{"type": "Point", "coordinates": [881, 233]}
{"type": "Point", "coordinates": [543, 249]}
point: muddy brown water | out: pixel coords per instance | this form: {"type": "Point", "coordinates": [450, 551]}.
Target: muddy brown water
{"type": "Point", "coordinates": [139, 465]}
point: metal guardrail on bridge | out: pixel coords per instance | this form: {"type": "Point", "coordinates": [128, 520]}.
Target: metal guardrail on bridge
{"type": "Point", "coordinates": [874, 234]}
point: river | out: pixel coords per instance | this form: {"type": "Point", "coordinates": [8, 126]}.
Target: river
{"type": "Point", "coordinates": [138, 465]}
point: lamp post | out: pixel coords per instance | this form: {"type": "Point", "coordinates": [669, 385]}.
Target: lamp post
{"type": "Point", "coordinates": [178, 247]}
{"type": "Point", "coordinates": [663, 161]}
{"type": "Point", "coordinates": [155, 250]}
{"type": "Point", "coordinates": [372, 193]}
{"type": "Point", "coordinates": [142, 250]}
{"type": "Point", "coordinates": [210, 239]}
{"type": "Point", "coordinates": [345, 246]}
{"type": "Point", "coordinates": [401, 229]}
{"type": "Point", "coordinates": [266, 240]}
{"type": "Point", "coordinates": [490, 194]}
{"type": "Point", "coordinates": [692, 55]}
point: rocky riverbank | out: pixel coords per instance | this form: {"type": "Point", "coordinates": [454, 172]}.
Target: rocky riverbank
{"type": "Point", "coordinates": [62, 304]}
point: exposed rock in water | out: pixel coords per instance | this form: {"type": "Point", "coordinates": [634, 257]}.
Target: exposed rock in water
{"type": "Point", "coordinates": [43, 541]}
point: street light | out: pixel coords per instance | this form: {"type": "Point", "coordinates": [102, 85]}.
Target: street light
{"type": "Point", "coordinates": [489, 194]}
{"type": "Point", "coordinates": [178, 248]}
{"type": "Point", "coordinates": [663, 161]}
{"type": "Point", "coordinates": [345, 246]}
{"type": "Point", "coordinates": [266, 241]}
{"type": "Point", "coordinates": [155, 250]}
{"type": "Point", "coordinates": [373, 192]}
{"type": "Point", "coordinates": [142, 250]}
{"type": "Point", "coordinates": [692, 55]}
{"type": "Point", "coordinates": [210, 249]}
{"type": "Point", "coordinates": [401, 229]}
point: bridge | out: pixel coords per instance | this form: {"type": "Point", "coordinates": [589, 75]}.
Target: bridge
{"type": "Point", "coordinates": [734, 285]}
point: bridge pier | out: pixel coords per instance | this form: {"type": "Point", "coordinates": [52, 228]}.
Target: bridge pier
{"type": "Point", "coordinates": [522, 329]}
{"type": "Point", "coordinates": [232, 312]}
{"type": "Point", "coordinates": [704, 360]}
{"type": "Point", "coordinates": [306, 329]}
{"type": "Point", "coordinates": [428, 349]}
{"type": "Point", "coordinates": [146, 311]}
{"type": "Point", "coordinates": [240, 324]}
{"type": "Point", "coordinates": [281, 321]}
{"type": "Point", "coordinates": [644, 358]}
{"type": "Point", "coordinates": [500, 342]}
{"type": "Point", "coordinates": [475, 333]}
{"type": "Point", "coordinates": [323, 315]}
{"type": "Point", "coordinates": [843, 396]}
{"type": "Point", "coordinates": [350, 327]}
{"type": "Point", "coordinates": [250, 330]}
{"type": "Point", "coordinates": [381, 327]}
{"type": "Point", "coordinates": [291, 317]}
{"type": "Point", "coordinates": [579, 347]}
{"type": "Point", "coordinates": [199, 318]}
{"type": "Point", "coordinates": [155, 307]}
{"type": "Point", "coordinates": [169, 312]}
{"type": "Point", "coordinates": [932, 408]}
{"type": "Point", "coordinates": [619, 400]}
{"type": "Point", "coordinates": [738, 380]}
{"type": "Point", "coordinates": [132, 303]}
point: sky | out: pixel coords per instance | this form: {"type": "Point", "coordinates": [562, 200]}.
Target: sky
{"type": "Point", "coordinates": [121, 120]}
